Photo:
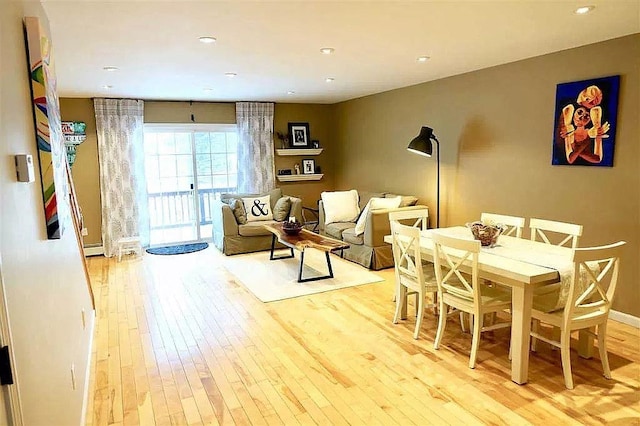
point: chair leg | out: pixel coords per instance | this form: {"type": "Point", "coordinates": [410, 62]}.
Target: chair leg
{"type": "Point", "coordinates": [462, 319]}
{"type": "Point", "coordinates": [420, 313]}
{"type": "Point", "coordinates": [475, 341]}
{"type": "Point", "coordinates": [602, 347]}
{"type": "Point", "coordinates": [400, 299]}
{"type": "Point", "coordinates": [565, 351]}
{"type": "Point", "coordinates": [442, 322]}
{"type": "Point", "coordinates": [534, 328]}
{"type": "Point", "coordinates": [555, 335]}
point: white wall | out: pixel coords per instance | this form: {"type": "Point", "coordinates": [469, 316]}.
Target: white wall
{"type": "Point", "coordinates": [44, 279]}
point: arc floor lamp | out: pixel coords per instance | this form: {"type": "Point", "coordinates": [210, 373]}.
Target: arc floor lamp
{"type": "Point", "coordinates": [423, 144]}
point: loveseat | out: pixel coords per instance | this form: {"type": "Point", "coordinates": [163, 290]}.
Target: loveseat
{"type": "Point", "coordinates": [231, 235]}
{"type": "Point", "coordinates": [368, 249]}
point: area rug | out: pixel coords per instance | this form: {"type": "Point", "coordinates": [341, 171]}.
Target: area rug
{"type": "Point", "coordinates": [179, 249]}
{"type": "Point", "coordinates": [271, 280]}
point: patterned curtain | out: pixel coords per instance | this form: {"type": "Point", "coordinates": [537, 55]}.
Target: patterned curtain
{"type": "Point", "coordinates": [125, 213]}
{"type": "Point", "coordinates": [256, 168]}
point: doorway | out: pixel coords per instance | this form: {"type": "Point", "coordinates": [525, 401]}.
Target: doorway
{"type": "Point", "coordinates": [187, 167]}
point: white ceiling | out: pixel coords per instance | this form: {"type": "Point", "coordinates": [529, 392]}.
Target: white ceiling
{"type": "Point", "coordinates": [274, 46]}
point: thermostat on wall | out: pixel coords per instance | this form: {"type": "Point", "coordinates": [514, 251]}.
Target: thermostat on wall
{"type": "Point", "coordinates": [24, 167]}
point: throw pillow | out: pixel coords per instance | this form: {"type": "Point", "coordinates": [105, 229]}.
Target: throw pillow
{"type": "Point", "coordinates": [258, 208]}
{"type": "Point", "coordinates": [374, 204]}
{"type": "Point", "coordinates": [340, 206]}
{"type": "Point", "coordinates": [237, 207]}
{"type": "Point", "coordinates": [281, 209]}
{"type": "Point", "coordinates": [407, 200]}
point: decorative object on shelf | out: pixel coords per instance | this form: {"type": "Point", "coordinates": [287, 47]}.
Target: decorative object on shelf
{"type": "Point", "coordinates": [308, 166]}
{"type": "Point", "coordinates": [292, 226]}
{"type": "Point", "coordinates": [315, 143]}
{"type": "Point", "coordinates": [283, 138]}
{"type": "Point", "coordinates": [585, 123]}
{"type": "Point", "coordinates": [487, 234]}
{"type": "Point", "coordinates": [284, 171]}
{"type": "Point", "coordinates": [423, 145]}
{"type": "Point", "coordinates": [74, 133]}
{"type": "Point", "coordinates": [297, 168]}
{"type": "Point", "coordinates": [46, 115]}
{"type": "Point", "coordinates": [299, 135]}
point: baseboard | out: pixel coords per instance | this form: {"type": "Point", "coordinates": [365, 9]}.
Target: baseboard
{"type": "Point", "coordinates": [94, 251]}
{"type": "Point", "coordinates": [624, 318]}
{"type": "Point", "coordinates": [85, 396]}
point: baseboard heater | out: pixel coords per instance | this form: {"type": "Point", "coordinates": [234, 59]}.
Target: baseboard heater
{"type": "Point", "coordinates": [93, 250]}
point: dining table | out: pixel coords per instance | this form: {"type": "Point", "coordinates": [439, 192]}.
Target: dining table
{"type": "Point", "coordinates": [522, 265]}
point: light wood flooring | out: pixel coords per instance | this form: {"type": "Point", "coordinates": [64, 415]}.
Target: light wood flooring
{"type": "Point", "coordinates": [178, 340]}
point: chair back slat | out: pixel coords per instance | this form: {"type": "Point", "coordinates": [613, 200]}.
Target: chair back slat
{"type": "Point", "coordinates": [420, 217]}
{"type": "Point", "coordinates": [406, 253]}
{"type": "Point", "coordinates": [452, 253]}
{"type": "Point", "coordinates": [594, 280]}
{"type": "Point", "coordinates": [513, 224]}
{"type": "Point", "coordinates": [570, 231]}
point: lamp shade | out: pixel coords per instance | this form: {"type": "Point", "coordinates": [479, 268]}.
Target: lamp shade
{"type": "Point", "coordinates": [421, 144]}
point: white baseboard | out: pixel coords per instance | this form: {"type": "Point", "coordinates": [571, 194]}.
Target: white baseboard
{"type": "Point", "coordinates": [85, 396]}
{"type": "Point", "coordinates": [94, 251]}
{"type": "Point", "coordinates": [625, 318]}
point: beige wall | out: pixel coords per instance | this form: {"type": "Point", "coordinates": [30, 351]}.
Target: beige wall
{"type": "Point", "coordinates": [180, 112]}
{"type": "Point", "coordinates": [44, 279]}
{"type": "Point", "coordinates": [321, 123]}
{"type": "Point", "coordinates": [86, 170]}
{"type": "Point", "coordinates": [495, 127]}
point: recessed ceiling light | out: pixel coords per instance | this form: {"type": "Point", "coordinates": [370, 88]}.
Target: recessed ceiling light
{"type": "Point", "coordinates": [290, 92]}
{"type": "Point", "coordinates": [110, 68]}
{"type": "Point", "coordinates": [327, 50]}
{"type": "Point", "coordinates": [584, 9]}
{"type": "Point", "coordinates": [107, 86]}
{"type": "Point", "coordinates": [329, 79]}
{"type": "Point", "coordinates": [207, 39]}
{"type": "Point", "coordinates": [230, 74]}
{"type": "Point", "coordinates": [423, 58]}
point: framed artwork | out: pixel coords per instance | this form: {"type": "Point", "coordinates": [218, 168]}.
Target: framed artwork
{"type": "Point", "coordinates": [46, 114]}
{"type": "Point", "coordinates": [585, 122]}
{"type": "Point", "coordinates": [299, 135]}
{"type": "Point", "coordinates": [308, 167]}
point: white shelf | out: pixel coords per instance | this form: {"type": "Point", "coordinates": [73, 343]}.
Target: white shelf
{"type": "Point", "coordinates": [309, 151]}
{"type": "Point", "coordinates": [294, 178]}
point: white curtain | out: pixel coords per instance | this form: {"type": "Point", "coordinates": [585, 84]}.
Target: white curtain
{"type": "Point", "coordinates": [256, 168]}
{"type": "Point", "coordinates": [125, 211]}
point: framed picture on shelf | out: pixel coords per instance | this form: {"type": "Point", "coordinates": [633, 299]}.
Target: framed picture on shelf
{"type": "Point", "coordinates": [308, 167]}
{"type": "Point", "coordinates": [299, 135]}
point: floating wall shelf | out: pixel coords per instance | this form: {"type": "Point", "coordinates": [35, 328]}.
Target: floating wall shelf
{"type": "Point", "coordinates": [294, 178]}
{"type": "Point", "coordinates": [302, 152]}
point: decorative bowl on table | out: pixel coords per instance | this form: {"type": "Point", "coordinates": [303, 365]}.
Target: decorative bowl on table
{"type": "Point", "coordinates": [487, 234]}
{"type": "Point", "coordinates": [291, 228]}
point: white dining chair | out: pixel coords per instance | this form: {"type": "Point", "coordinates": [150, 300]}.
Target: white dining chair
{"type": "Point", "coordinates": [514, 224]}
{"type": "Point", "coordinates": [418, 218]}
{"type": "Point", "coordinates": [459, 290]}
{"type": "Point", "coordinates": [410, 272]}
{"type": "Point", "coordinates": [591, 290]}
{"type": "Point", "coordinates": [563, 231]}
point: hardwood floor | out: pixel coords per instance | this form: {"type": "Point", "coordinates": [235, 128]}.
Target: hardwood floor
{"type": "Point", "coordinates": [180, 341]}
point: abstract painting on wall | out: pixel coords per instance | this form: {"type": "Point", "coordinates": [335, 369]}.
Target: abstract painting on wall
{"type": "Point", "coordinates": [46, 113]}
{"type": "Point", "coordinates": [585, 122]}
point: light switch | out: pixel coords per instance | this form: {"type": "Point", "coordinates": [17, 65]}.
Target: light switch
{"type": "Point", "coordinates": [24, 168]}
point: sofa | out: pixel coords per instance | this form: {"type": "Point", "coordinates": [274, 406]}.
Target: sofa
{"type": "Point", "coordinates": [367, 249]}
{"type": "Point", "coordinates": [232, 236]}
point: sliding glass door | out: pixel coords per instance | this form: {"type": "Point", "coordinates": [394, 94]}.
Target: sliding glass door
{"type": "Point", "coordinates": [186, 168]}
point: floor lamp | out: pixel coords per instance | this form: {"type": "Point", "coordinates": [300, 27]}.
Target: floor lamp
{"type": "Point", "coordinates": [423, 145]}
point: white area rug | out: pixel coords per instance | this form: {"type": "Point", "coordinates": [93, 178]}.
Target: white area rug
{"type": "Point", "coordinates": [271, 280]}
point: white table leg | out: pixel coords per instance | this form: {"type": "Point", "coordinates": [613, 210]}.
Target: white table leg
{"type": "Point", "coordinates": [585, 343]}
{"type": "Point", "coordinates": [522, 298]}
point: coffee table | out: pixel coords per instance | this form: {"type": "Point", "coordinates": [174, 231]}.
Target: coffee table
{"type": "Point", "coordinates": [305, 239]}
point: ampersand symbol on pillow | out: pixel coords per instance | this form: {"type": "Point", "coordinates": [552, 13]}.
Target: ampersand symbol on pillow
{"type": "Point", "coordinates": [260, 206]}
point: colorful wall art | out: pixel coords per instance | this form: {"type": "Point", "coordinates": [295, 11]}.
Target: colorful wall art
{"type": "Point", "coordinates": [585, 122]}
{"type": "Point", "coordinates": [46, 113]}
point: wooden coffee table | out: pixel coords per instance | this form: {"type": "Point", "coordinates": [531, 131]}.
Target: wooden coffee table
{"type": "Point", "coordinates": [301, 242]}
